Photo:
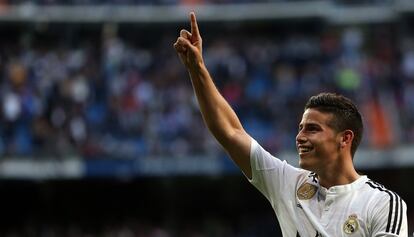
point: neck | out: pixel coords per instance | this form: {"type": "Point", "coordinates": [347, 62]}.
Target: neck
{"type": "Point", "coordinates": [341, 174]}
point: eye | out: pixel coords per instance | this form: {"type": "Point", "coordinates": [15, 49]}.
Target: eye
{"type": "Point", "coordinates": [313, 128]}
{"type": "Point", "coordinates": [309, 128]}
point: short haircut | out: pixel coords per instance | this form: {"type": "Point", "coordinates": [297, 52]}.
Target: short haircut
{"type": "Point", "coordinates": [345, 114]}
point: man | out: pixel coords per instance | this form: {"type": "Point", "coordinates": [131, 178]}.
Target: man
{"type": "Point", "coordinates": [326, 197]}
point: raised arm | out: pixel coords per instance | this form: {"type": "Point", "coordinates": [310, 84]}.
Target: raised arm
{"type": "Point", "coordinates": [219, 117]}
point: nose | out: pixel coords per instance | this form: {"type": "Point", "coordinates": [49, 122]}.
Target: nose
{"type": "Point", "coordinates": [300, 138]}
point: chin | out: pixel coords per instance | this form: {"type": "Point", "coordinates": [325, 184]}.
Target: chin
{"type": "Point", "coordinates": [305, 166]}
{"type": "Point", "coordinates": [302, 164]}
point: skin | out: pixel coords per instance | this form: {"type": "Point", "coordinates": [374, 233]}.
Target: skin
{"type": "Point", "coordinates": [325, 151]}
{"type": "Point", "coordinates": [219, 117]}
{"type": "Point", "coordinates": [330, 157]}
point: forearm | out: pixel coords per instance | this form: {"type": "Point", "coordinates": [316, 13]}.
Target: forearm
{"type": "Point", "coordinates": [218, 115]}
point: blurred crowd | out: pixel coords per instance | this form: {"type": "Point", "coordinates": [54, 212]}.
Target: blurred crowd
{"type": "Point", "coordinates": [174, 2]}
{"type": "Point", "coordinates": [114, 98]}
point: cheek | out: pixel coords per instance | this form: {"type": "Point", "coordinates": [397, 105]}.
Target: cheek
{"type": "Point", "coordinates": [326, 145]}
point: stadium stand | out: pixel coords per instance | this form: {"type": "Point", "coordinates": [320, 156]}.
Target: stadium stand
{"type": "Point", "coordinates": [95, 108]}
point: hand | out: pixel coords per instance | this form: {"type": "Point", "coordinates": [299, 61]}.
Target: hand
{"type": "Point", "coordinates": [189, 45]}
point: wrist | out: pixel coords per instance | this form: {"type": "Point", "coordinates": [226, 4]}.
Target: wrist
{"type": "Point", "coordinates": [196, 68]}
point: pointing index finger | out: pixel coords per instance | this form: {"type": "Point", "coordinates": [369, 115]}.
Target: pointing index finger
{"type": "Point", "coordinates": [194, 27]}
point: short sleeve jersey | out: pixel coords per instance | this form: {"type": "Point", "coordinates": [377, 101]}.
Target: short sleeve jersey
{"type": "Point", "coordinates": [304, 208]}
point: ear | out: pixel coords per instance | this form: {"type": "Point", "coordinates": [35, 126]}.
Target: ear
{"type": "Point", "coordinates": [346, 138]}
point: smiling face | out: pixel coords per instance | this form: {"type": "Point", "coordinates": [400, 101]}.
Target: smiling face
{"type": "Point", "coordinates": [317, 142]}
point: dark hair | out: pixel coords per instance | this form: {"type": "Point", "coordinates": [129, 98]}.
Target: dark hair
{"type": "Point", "coordinates": [345, 114]}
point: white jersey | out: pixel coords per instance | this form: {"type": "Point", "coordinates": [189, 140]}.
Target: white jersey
{"type": "Point", "coordinates": [306, 209]}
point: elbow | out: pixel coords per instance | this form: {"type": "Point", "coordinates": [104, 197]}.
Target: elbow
{"type": "Point", "coordinates": [229, 137]}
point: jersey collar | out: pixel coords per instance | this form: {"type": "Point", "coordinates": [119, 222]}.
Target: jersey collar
{"type": "Point", "coordinates": [346, 188]}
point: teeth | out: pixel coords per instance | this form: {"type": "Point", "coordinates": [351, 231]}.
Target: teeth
{"type": "Point", "coordinates": [304, 149]}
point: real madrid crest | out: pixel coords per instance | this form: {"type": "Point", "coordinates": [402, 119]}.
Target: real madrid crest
{"type": "Point", "coordinates": [306, 191]}
{"type": "Point", "coordinates": [351, 224]}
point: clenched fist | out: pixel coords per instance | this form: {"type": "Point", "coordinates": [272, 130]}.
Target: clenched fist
{"type": "Point", "coordinates": [189, 45]}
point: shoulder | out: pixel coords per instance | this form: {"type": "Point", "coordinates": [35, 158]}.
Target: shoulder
{"type": "Point", "coordinates": [386, 207]}
{"type": "Point", "coordinates": [267, 168]}
{"type": "Point", "coordinates": [261, 159]}
{"type": "Point", "coordinates": [380, 193]}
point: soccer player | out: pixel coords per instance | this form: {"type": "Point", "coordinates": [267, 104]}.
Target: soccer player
{"type": "Point", "coordinates": [326, 196]}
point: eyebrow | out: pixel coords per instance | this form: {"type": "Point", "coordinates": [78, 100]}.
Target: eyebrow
{"type": "Point", "coordinates": [301, 125]}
